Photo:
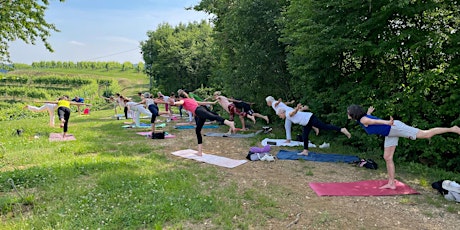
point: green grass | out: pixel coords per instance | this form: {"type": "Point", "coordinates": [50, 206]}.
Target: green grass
{"type": "Point", "coordinates": [110, 179]}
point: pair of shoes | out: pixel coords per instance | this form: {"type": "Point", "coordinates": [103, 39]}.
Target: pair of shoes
{"type": "Point", "coordinates": [267, 129]}
{"type": "Point", "coordinates": [267, 157]}
{"type": "Point", "coordinates": [324, 145]}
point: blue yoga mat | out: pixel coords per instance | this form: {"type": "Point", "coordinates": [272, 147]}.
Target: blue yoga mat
{"type": "Point", "coordinates": [193, 126]}
{"type": "Point", "coordinates": [312, 156]}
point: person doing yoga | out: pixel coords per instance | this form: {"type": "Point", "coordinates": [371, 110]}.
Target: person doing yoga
{"type": "Point", "coordinates": [392, 130]}
{"type": "Point", "coordinates": [201, 113]}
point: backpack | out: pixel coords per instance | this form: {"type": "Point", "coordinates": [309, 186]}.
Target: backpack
{"type": "Point", "coordinates": [367, 163]}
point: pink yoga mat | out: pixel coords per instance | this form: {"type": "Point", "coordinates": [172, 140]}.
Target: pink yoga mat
{"type": "Point", "coordinates": [58, 137]}
{"type": "Point", "coordinates": [360, 188]}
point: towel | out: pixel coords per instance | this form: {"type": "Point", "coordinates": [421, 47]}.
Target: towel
{"type": "Point", "coordinates": [209, 158]}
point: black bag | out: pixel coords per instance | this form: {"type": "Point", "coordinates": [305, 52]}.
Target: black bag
{"type": "Point", "coordinates": [370, 164]}
{"type": "Point", "coordinates": [438, 186]}
{"type": "Point", "coordinates": [158, 135]}
{"type": "Point", "coordinates": [367, 163]}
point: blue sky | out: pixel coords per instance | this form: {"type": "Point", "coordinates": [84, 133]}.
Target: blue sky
{"type": "Point", "coordinates": [103, 30]}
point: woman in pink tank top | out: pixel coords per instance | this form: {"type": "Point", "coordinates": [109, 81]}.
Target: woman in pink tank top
{"type": "Point", "coordinates": [201, 114]}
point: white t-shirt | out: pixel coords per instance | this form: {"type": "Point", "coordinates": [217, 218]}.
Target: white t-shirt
{"type": "Point", "coordinates": [301, 118]}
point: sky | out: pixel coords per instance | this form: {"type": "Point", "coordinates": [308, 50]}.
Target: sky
{"type": "Point", "coordinates": [103, 30]}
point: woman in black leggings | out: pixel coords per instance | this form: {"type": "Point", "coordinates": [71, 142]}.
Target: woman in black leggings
{"type": "Point", "coordinates": [201, 114]}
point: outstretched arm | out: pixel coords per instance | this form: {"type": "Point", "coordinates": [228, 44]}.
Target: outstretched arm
{"type": "Point", "coordinates": [294, 112]}
{"type": "Point", "coordinates": [206, 102]}
{"type": "Point", "coordinates": [180, 102]}
{"type": "Point", "coordinates": [369, 121]}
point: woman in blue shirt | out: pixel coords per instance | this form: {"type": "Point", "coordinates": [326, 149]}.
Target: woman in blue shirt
{"type": "Point", "coordinates": [392, 130]}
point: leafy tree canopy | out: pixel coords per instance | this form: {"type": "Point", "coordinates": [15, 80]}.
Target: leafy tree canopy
{"type": "Point", "coordinates": [24, 20]}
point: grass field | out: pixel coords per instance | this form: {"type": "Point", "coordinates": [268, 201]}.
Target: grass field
{"type": "Point", "coordinates": [111, 179]}
{"type": "Point", "coordinates": [106, 179]}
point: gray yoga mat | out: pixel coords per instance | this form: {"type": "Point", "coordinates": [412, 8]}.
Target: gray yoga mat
{"type": "Point", "coordinates": [234, 135]}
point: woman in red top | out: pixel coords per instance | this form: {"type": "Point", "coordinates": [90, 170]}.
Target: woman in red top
{"type": "Point", "coordinates": [201, 114]}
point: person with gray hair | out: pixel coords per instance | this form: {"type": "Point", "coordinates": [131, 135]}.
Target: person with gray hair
{"type": "Point", "coordinates": [277, 105]}
{"type": "Point", "coordinates": [307, 120]}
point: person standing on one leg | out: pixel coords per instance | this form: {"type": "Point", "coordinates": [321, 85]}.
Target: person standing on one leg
{"type": "Point", "coordinates": [201, 114]}
{"type": "Point", "coordinates": [308, 120]}
{"type": "Point", "coordinates": [246, 107]}
{"type": "Point", "coordinates": [63, 109]}
{"type": "Point", "coordinates": [281, 105]}
{"type": "Point", "coordinates": [49, 107]}
{"type": "Point", "coordinates": [392, 130]}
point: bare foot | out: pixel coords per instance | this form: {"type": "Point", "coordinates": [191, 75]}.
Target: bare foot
{"type": "Point", "coordinates": [345, 131]}
{"type": "Point", "coordinates": [62, 124]}
{"type": "Point", "coordinates": [303, 153]}
{"type": "Point", "coordinates": [199, 154]}
{"type": "Point", "coordinates": [388, 186]}
{"type": "Point", "coordinates": [25, 107]}
{"type": "Point", "coordinates": [252, 118]}
{"type": "Point", "coordinates": [232, 127]}
{"type": "Point", "coordinates": [316, 130]}
{"type": "Point", "coordinates": [287, 141]}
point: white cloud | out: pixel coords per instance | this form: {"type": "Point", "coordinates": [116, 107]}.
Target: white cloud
{"type": "Point", "coordinates": [77, 43]}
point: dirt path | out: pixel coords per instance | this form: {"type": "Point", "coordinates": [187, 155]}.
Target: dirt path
{"type": "Point", "coordinates": [384, 212]}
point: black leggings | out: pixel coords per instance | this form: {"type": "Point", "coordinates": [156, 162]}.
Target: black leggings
{"type": "Point", "coordinates": [201, 114]}
{"type": "Point", "coordinates": [64, 112]}
{"type": "Point", "coordinates": [154, 110]}
{"type": "Point", "coordinates": [314, 121]}
{"type": "Point", "coordinates": [126, 112]}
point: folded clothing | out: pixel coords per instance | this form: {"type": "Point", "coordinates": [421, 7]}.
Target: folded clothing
{"type": "Point", "coordinates": [264, 149]}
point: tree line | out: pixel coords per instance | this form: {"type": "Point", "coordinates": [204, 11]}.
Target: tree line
{"type": "Point", "coordinates": [402, 57]}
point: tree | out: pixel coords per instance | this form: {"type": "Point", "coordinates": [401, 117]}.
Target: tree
{"type": "Point", "coordinates": [179, 57]}
{"type": "Point", "coordinates": [252, 61]}
{"type": "Point", "coordinates": [24, 20]}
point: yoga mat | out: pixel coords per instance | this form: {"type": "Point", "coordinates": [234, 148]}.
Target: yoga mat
{"type": "Point", "coordinates": [188, 124]}
{"type": "Point", "coordinates": [281, 142]}
{"type": "Point", "coordinates": [312, 156]}
{"type": "Point", "coordinates": [58, 137]}
{"type": "Point", "coordinates": [209, 158]}
{"type": "Point", "coordinates": [144, 126]}
{"type": "Point", "coordinates": [235, 135]}
{"type": "Point", "coordinates": [360, 188]}
{"type": "Point", "coordinates": [193, 126]}
{"type": "Point", "coordinates": [149, 134]}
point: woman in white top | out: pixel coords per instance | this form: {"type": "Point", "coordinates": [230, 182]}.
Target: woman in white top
{"type": "Point", "coordinates": [46, 107]}
{"type": "Point", "coordinates": [307, 120]}
{"type": "Point", "coordinates": [136, 109]}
